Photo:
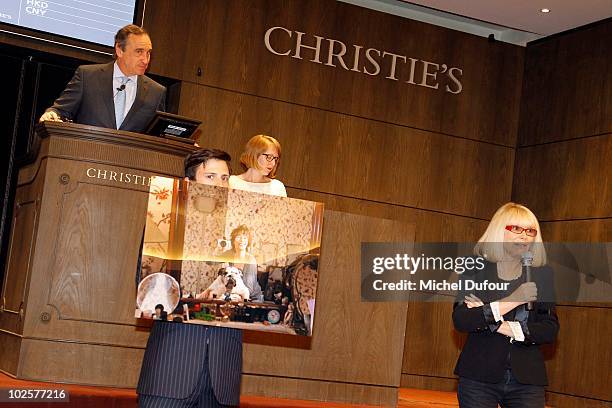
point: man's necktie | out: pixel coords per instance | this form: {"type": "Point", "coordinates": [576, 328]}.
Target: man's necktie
{"type": "Point", "coordinates": [120, 102]}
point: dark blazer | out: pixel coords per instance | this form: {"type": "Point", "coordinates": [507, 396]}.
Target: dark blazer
{"type": "Point", "coordinates": [486, 354]}
{"type": "Point", "coordinates": [175, 356]}
{"type": "Point", "coordinates": [88, 99]}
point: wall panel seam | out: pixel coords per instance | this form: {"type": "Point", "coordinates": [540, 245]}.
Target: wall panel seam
{"type": "Point", "coordinates": [564, 140]}
{"type": "Point", "coordinates": [512, 147]}
{"type": "Point", "coordinates": [284, 377]}
{"type": "Point", "coordinates": [576, 219]}
{"type": "Point", "coordinates": [578, 306]}
{"type": "Point", "coordinates": [387, 203]}
{"type": "Point", "coordinates": [577, 396]}
{"type": "Point", "coordinates": [431, 376]}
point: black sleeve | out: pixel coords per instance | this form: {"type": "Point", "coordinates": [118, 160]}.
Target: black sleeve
{"type": "Point", "coordinates": [476, 319]}
{"type": "Point", "coordinates": [161, 106]}
{"type": "Point", "coordinates": [543, 328]}
{"type": "Point", "coordinates": [68, 103]}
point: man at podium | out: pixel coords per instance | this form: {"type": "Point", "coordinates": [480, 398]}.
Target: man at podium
{"type": "Point", "coordinates": [115, 95]}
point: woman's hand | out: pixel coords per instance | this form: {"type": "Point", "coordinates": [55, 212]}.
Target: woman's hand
{"type": "Point", "coordinates": [505, 329]}
{"type": "Point", "coordinates": [527, 292]}
{"type": "Point", "coordinates": [473, 301]}
{"type": "Point", "coordinates": [203, 295]}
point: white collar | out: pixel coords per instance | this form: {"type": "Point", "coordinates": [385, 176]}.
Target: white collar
{"type": "Point", "coordinates": [117, 73]}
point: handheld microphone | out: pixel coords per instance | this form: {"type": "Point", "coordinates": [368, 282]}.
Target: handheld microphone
{"type": "Point", "coordinates": [526, 262]}
{"type": "Point", "coordinates": [121, 88]}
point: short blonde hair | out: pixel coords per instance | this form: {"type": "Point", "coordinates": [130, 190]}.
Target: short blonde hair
{"type": "Point", "coordinates": [241, 230]}
{"type": "Point", "coordinates": [255, 146]}
{"type": "Point", "coordinates": [490, 245]}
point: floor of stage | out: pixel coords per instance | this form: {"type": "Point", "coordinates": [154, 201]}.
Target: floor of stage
{"type": "Point", "coordinates": [91, 397]}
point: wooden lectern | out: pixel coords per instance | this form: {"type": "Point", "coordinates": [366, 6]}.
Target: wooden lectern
{"type": "Point", "coordinates": [66, 312]}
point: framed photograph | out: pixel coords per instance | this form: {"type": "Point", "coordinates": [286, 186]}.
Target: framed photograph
{"type": "Point", "coordinates": [242, 260]}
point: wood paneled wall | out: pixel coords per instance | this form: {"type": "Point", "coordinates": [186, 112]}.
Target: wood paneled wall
{"type": "Point", "coordinates": [382, 148]}
{"type": "Point", "coordinates": [346, 134]}
{"type": "Point", "coordinates": [352, 353]}
{"type": "Point", "coordinates": [347, 156]}
{"type": "Point", "coordinates": [361, 144]}
{"type": "Point", "coordinates": [225, 42]}
{"type": "Point", "coordinates": [563, 172]}
{"type": "Point", "coordinates": [374, 146]}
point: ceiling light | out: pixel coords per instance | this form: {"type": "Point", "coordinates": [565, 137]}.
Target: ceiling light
{"type": "Point", "coordinates": [545, 10]}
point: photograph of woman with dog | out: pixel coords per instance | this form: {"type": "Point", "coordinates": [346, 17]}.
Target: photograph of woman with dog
{"type": "Point", "coordinates": [240, 257]}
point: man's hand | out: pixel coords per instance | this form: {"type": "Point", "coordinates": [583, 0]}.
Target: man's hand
{"type": "Point", "coordinates": [51, 116]}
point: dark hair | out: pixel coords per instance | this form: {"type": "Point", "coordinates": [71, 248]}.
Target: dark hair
{"type": "Point", "coordinates": [201, 157]}
{"type": "Point", "coordinates": [311, 260]}
{"type": "Point", "coordinates": [122, 35]}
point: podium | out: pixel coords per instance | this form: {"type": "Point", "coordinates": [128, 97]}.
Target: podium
{"type": "Point", "coordinates": [66, 312]}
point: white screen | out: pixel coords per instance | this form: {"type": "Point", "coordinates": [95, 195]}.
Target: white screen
{"type": "Point", "coordinates": [96, 21]}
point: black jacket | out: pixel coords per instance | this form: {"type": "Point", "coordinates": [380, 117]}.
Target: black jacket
{"type": "Point", "coordinates": [88, 99]}
{"type": "Point", "coordinates": [486, 354]}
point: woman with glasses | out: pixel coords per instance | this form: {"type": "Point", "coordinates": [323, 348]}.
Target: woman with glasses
{"type": "Point", "coordinates": [501, 362]}
{"type": "Point", "coordinates": [260, 159]}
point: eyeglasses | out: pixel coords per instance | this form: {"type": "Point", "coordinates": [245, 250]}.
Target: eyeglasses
{"type": "Point", "coordinates": [530, 232]}
{"type": "Point", "coordinates": [270, 157]}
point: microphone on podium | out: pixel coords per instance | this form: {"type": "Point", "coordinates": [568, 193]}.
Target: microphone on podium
{"type": "Point", "coordinates": [526, 262]}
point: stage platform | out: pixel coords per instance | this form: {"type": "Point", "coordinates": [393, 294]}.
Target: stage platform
{"type": "Point", "coordinates": [103, 397]}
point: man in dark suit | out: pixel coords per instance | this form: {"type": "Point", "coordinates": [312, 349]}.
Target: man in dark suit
{"type": "Point", "coordinates": [116, 95]}
{"type": "Point", "coordinates": [192, 365]}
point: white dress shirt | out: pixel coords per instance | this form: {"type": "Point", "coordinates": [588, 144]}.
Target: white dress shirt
{"type": "Point", "coordinates": [130, 87]}
{"type": "Point", "coordinates": [273, 187]}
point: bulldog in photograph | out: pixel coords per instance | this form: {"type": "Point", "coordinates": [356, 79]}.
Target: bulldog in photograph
{"type": "Point", "coordinates": [228, 286]}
